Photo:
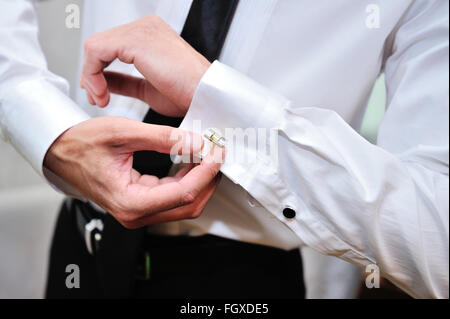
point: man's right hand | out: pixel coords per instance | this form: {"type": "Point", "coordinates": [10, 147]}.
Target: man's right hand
{"type": "Point", "coordinates": [96, 157]}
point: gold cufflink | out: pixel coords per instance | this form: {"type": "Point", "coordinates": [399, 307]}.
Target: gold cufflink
{"type": "Point", "coordinates": [215, 137]}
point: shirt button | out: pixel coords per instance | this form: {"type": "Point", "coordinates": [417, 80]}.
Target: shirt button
{"type": "Point", "coordinates": [289, 213]}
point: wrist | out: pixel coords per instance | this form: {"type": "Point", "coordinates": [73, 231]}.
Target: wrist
{"type": "Point", "coordinates": [52, 155]}
{"type": "Point", "coordinates": [200, 70]}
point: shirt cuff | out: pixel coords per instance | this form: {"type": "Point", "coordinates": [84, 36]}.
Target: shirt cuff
{"type": "Point", "coordinates": [239, 109]}
{"type": "Point", "coordinates": [248, 116]}
{"type": "Point", "coordinates": [33, 115]}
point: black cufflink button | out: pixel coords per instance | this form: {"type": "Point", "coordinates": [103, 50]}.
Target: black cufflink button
{"type": "Point", "coordinates": [289, 213]}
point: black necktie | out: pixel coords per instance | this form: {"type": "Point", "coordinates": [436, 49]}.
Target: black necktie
{"type": "Point", "coordinates": [205, 30]}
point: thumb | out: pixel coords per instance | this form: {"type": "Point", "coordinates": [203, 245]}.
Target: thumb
{"type": "Point", "coordinates": [128, 85]}
{"type": "Point", "coordinates": [143, 90]}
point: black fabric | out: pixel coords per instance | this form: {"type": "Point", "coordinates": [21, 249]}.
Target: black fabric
{"type": "Point", "coordinates": [69, 248]}
{"type": "Point", "coordinates": [214, 267]}
{"type": "Point", "coordinates": [207, 26]}
{"type": "Point", "coordinates": [108, 274]}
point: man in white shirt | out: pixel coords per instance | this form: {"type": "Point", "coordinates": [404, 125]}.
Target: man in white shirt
{"type": "Point", "coordinates": [330, 189]}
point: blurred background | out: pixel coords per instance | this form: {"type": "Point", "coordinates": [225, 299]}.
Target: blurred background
{"type": "Point", "coordinates": [28, 206]}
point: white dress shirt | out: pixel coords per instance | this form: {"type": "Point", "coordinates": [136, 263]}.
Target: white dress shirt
{"type": "Point", "coordinates": [304, 69]}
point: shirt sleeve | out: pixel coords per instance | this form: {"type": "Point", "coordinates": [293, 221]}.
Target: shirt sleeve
{"type": "Point", "coordinates": [34, 106]}
{"type": "Point", "coordinates": [384, 204]}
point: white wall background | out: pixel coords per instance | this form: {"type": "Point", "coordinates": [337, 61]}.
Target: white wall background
{"type": "Point", "coordinates": [28, 206]}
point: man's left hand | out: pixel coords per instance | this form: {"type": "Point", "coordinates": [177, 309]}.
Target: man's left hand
{"type": "Point", "coordinates": [171, 67]}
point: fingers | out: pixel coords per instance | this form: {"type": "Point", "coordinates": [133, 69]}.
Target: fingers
{"type": "Point", "coordinates": [143, 90]}
{"type": "Point", "coordinates": [95, 84]}
{"type": "Point", "coordinates": [145, 180]}
{"type": "Point", "coordinates": [97, 89]}
{"type": "Point", "coordinates": [190, 211]}
{"type": "Point", "coordinates": [146, 201]}
{"type": "Point", "coordinates": [201, 175]}
{"type": "Point", "coordinates": [128, 85]}
{"type": "Point", "coordinates": [178, 176]}
{"type": "Point", "coordinates": [128, 136]}
{"type": "Point", "coordinates": [152, 181]}
{"type": "Point", "coordinates": [173, 68]}
{"type": "Point", "coordinates": [99, 51]}
{"type": "Point", "coordinates": [89, 96]}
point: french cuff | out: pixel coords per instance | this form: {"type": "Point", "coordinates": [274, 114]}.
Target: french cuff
{"type": "Point", "coordinates": [241, 111]}
{"type": "Point", "coordinates": [248, 116]}
{"type": "Point", "coordinates": [33, 115]}
{"type": "Point", "coordinates": [228, 105]}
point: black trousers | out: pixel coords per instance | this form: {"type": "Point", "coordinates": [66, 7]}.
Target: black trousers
{"type": "Point", "coordinates": [175, 267]}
